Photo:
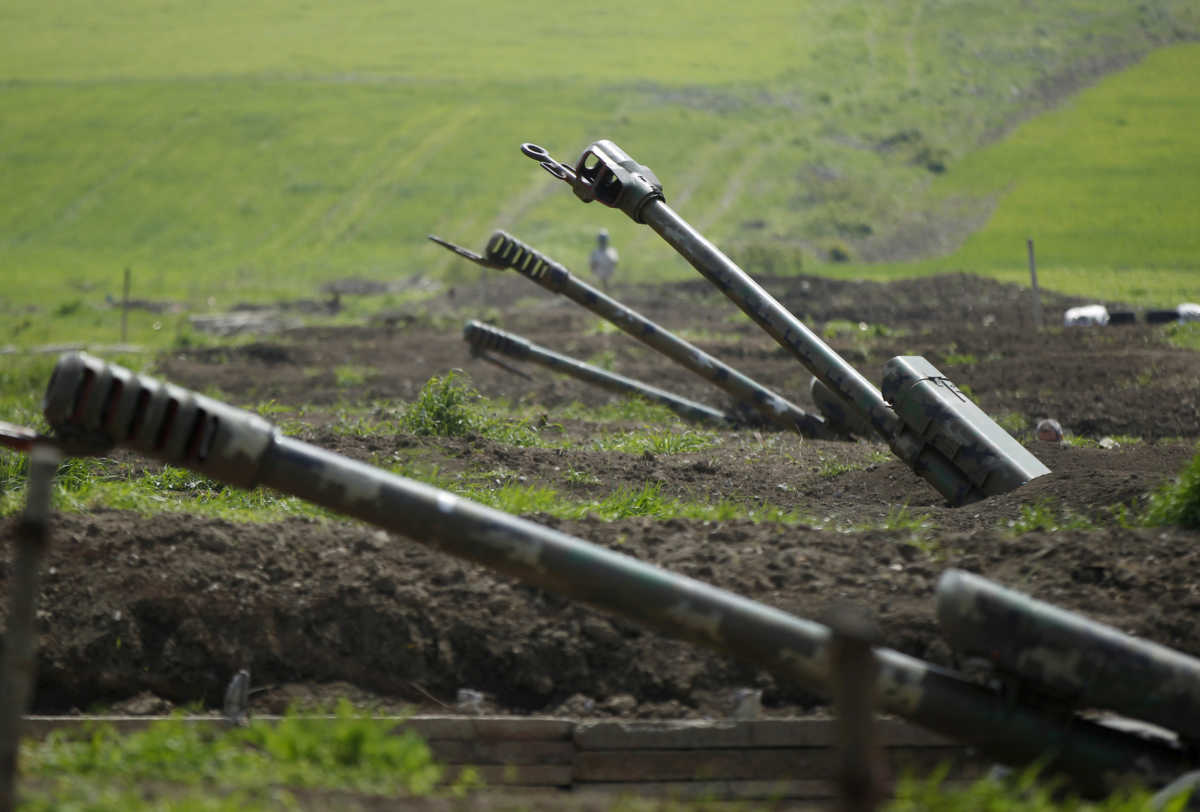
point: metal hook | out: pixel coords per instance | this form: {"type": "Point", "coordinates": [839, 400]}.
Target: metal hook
{"type": "Point", "coordinates": [558, 169]}
{"type": "Point", "coordinates": [466, 253]}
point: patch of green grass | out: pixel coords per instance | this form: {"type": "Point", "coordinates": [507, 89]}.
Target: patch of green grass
{"type": "Point", "coordinates": [581, 478]}
{"type": "Point", "coordinates": [351, 375]}
{"type": "Point", "coordinates": [1043, 516]}
{"type": "Point", "coordinates": [958, 359]}
{"type": "Point", "coordinates": [1102, 185]}
{"type": "Point", "coordinates": [1108, 441]}
{"type": "Point", "coordinates": [1177, 502]}
{"type": "Point", "coordinates": [1185, 335]}
{"type": "Point", "coordinates": [831, 467]}
{"type": "Point", "coordinates": [667, 441]}
{"type": "Point", "coordinates": [1023, 793]}
{"type": "Point", "coordinates": [627, 409]}
{"type": "Point", "coordinates": [350, 751]}
{"type": "Point", "coordinates": [901, 518]}
{"type": "Point", "coordinates": [444, 408]}
{"type": "Point", "coordinates": [1013, 422]}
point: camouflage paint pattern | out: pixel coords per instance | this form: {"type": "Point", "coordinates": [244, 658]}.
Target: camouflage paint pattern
{"type": "Point", "coordinates": [932, 406]}
{"type": "Point", "coordinates": [1066, 656]}
{"type": "Point", "coordinates": [185, 429]}
{"type": "Point", "coordinates": [483, 337]}
{"type": "Point", "coordinates": [603, 167]}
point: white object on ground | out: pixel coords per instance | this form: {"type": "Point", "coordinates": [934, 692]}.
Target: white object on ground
{"type": "Point", "coordinates": [1086, 315]}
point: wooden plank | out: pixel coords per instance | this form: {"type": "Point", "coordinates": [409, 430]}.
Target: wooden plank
{"type": "Point", "coordinates": [702, 765]}
{"type": "Point", "coordinates": [514, 775]}
{"type": "Point", "coordinates": [502, 752]}
{"type": "Point", "coordinates": [513, 728]}
{"type": "Point", "coordinates": [704, 734]}
{"type": "Point", "coordinates": [794, 789]}
{"type": "Point", "coordinates": [803, 789]}
{"type": "Point", "coordinates": [663, 735]}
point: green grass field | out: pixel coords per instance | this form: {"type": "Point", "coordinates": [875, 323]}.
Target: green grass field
{"type": "Point", "coordinates": [226, 153]}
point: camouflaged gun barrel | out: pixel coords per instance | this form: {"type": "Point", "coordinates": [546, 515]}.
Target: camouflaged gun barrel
{"type": "Point", "coordinates": [92, 405]}
{"type": "Point", "coordinates": [934, 428]}
{"type": "Point", "coordinates": [751, 397]}
{"type": "Point", "coordinates": [1068, 657]}
{"type": "Point", "coordinates": [483, 337]}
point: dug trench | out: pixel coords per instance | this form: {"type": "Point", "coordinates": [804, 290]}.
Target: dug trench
{"type": "Point", "coordinates": [146, 612]}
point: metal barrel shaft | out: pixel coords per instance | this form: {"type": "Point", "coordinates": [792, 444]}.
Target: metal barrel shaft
{"type": "Point", "coordinates": [817, 356]}
{"type": "Point", "coordinates": [504, 249]}
{"type": "Point", "coordinates": [791, 333]}
{"type": "Point", "coordinates": [483, 337]}
{"type": "Point", "coordinates": [1069, 657]}
{"type": "Point", "coordinates": [196, 432]}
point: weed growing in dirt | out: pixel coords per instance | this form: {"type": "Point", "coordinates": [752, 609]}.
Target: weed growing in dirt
{"type": "Point", "coordinates": [443, 408]}
{"type": "Point", "coordinates": [1177, 502]}
{"type": "Point", "coordinates": [830, 467]}
{"type": "Point", "coordinates": [1013, 422]}
{"type": "Point", "coordinates": [84, 483]}
{"type": "Point", "coordinates": [348, 375]}
{"type": "Point", "coordinates": [1184, 334]}
{"type": "Point", "coordinates": [350, 751]}
{"type": "Point", "coordinates": [656, 442]}
{"type": "Point", "coordinates": [1110, 441]}
{"type": "Point", "coordinates": [901, 518]}
{"type": "Point", "coordinates": [1042, 516]}
{"type": "Point", "coordinates": [625, 409]}
{"type": "Point", "coordinates": [1023, 793]}
{"type": "Point", "coordinates": [447, 406]}
{"type": "Point", "coordinates": [581, 478]}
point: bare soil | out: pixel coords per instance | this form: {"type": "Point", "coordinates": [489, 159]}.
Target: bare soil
{"type": "Point", "coordinates": [173, 605]}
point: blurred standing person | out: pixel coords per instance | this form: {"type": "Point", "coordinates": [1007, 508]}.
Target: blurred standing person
{"type": "Point", "coordinates": [603, 259]}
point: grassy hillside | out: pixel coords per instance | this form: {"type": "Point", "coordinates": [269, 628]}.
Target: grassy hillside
{"type": "Point", "coordinates": [1106, 186]}
{"type": "Point", "coordinates": [228, 153]}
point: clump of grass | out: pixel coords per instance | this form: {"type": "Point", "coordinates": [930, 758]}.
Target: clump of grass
{"type": "Point", "coordinates": [1024, 792]}
{"type": "Point", "coordinates": [830, 468]}
{"type": "Point", "coordinates": [443, 408]}
{"type": "Point", "coordinates": [1041, 515]}
{"type": "Point", "coordinates": [581, 478]}
{"type": "Point", "coordinates": [1013, 422]}
{"type": "Point", "coordinates": [628, 408]}
{"type": "Point", "coordinates": [656, 442]}
{"type": "Point", "coordinates": [1184, 334]}
{"type": "Point", "coordinates": [448, 406]}
{"type": "Point", "coordinates": [1177, 502]}
{"type": "Point", "coordinates": [350, 751]}
{"type": "Point", "coordinates": [351, 375]}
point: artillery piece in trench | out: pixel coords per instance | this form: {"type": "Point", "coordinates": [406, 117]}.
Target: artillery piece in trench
{"type": "Point", "coordinates": [753, 402]}
{"type": "Point", "coordinates": [926, 420]}
{"type": "Point", "coordinates": [92, 405]}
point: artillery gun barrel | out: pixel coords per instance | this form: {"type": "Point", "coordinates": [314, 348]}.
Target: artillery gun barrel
{"type": "Point", "coordinates": [1066, 656]}
{"type": "Point", "coordinates": [87, 397]}
{"type": "Point", "coordinates": [937, 431]}
{"type": "Point", "coordinates": [506, 251]}
{"type": "Point", "coordinates": [483, 337]}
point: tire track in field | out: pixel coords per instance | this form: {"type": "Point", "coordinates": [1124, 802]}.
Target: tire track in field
{"type": "Point", "coordinates": [93, 192]}
{"type": "Point", "coordinates": [909, 51]}
{"type": "Point", "coordinates": [735, 186]}
{"type": "Point", "coordinates": [340, 220]}
{"type": "Point", "coordinates": [318, 210]}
